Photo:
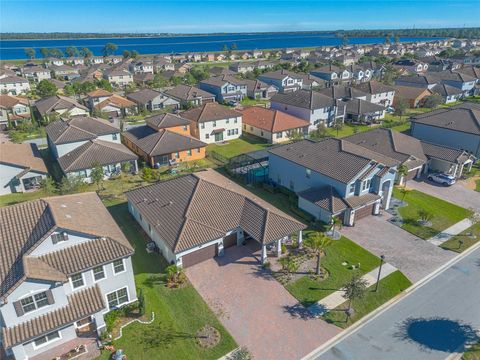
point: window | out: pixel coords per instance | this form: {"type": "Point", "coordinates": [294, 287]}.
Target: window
{"type": "Point", "coordinates": [177, 155]}
{"type": "Point", "coordinates": [214, 123]}
{"type": "Point", "coordinates": [308, 173]}
{"type": "Point", "coordinates": [117, 298]}
{"type": "Point", "coordinates": [98, 273]}
{"type": "Point", "coordinates": [352, 188]}
{"type": "Point", "coordinates": [47, 339]}
{"type": "Point", "coordinates": [366, 184]}
{"type": "Point", "coordinates": [251, 128]}
{"type": "Point", "coordinates": [228, 121]}
{"type": "Point", "coordinates": [261, 133]}
{"type": "Point", "coordinates": [236, 131]}
{"type": "Point", "coordinates": [189, 152]}
{"type": "Point", "coordinates": [56, 238]}
{"type": "Point", "coordinates": [185, 128]}
{"type": "Point", "coordinates": [198, 151]}
{"type": "Point", "coordinates": [118, 266]}
{"type": "Point", "coordinates": [34, 302]}
{"type": "Point", "coordinates": [202, 126]}
{"type": "Point", "coordinates": [114, 136]}
{"type": "Point", "coordinates": [278, 135]}
{"type": "Point", "coordinates": [244, 127]}
{"type": "Point", "coordinates": [77, 280]}
{"type": "Point", "coordinates": [235, 120]}
{"type": "Point", "coordinates": [207, 136]}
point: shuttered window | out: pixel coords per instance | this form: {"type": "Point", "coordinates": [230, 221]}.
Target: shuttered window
{"type": "Point", "coordinates": [33, 302]}
{"type": "Point", "coordinates": [56, 238]}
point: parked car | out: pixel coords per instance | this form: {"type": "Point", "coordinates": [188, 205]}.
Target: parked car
{"type": "Point", "coordinates": [442, 178]}
{"type": "Point", "coordinates": [390, 110]}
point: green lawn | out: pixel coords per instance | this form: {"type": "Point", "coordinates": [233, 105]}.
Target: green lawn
{"type": "Point", "coordinates": [444, 214]}
{"type": "Point", "coordinates": [348, 130]}
{"type": "Point", "coordinates": [454, 243]}
{"type": "Point", "coordinates": [309, 291]}
{"type": "Point", "coordinates": [477, 185]}
{"type": "Point", "coordinates": [473, 353]}
{"type": "Point", "coordinates": [388, 288]}
{"type": "Point", "coordinates": [245, 144]}
{"type": "Point", "coordinates": [181, 310]}
{"type": "Point", "coordinates": [251, 102]}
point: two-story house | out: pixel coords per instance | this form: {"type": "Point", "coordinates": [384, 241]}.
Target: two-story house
{"type": "Point", "coordinates": [332, 74]}
{"type": "Point", "coordinates": [212, 122]}
{"type": "Point", "coordinates": [334, 177]}
{"type": "Point", "coordinates": [257, 89]}
{"type": "Point", "coordinates": [285, 81]}
{"type": "Point", "coordinates": [152, 100]}
{"type": "Point", "coordinates": [118, 77]}
{"type": "Point", "coordinates": [378, 93]}
{"type": "Point", "coordinates": [309, 105]}
{"type": "Point", "coordinates": [52, 107]}
{"type": "Point", "coordinates": [464, 82]}
{"type": "Point", "coordinates": [13, 110]}
{"type": "Point", "coordinates": [36, 73]}
{"type": "Point", "coordinates": [51, 291]}
{"type": "Point", "coordinates": [164, 140]}
{"type": "Point", "coordinates": [188, 95]}
{"type": "Point", "coordinates": [141, 67]}
{"type": "Point", "coordinates": [226, 88]}
{"type": "Point", "coordinates": [411, 65]}
{"type": "Point", "coordinates": [13, 85]}
{"type": "Point", "coordinates": [81, 143]}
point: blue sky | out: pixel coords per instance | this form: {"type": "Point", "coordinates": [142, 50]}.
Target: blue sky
{"type": "Point", "coordinates": [232, 16]}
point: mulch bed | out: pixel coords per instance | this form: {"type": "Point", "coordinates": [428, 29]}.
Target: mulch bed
{"type": "Point", "coordinates": [208, 337]}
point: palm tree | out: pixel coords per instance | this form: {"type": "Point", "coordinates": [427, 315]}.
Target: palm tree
{"type": "Point", "coordinates": [404, 192]}
{"type": "Point", "coordinates": [354, 289]}
{"type": "Point", "coordinates": [317, 243]}
{"type": "Point", "coordinates": [289, 265]}
{"type": "Point", "coordinates": [337, 223]}
{"type": "Point", "coordinates": [403, 172]}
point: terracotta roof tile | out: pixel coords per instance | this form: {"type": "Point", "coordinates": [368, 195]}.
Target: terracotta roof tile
{"type": "Point", "coordinates": [271, 120]}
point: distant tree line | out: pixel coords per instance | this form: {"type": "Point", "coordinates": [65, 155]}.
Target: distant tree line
{"type": "Point", "coordinates": [72, 51]}
{"type": "Point", "coordinates": [463, 33]}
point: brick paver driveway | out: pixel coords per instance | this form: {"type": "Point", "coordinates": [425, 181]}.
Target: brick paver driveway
{"type": "Point", "coordinates": [258, 312]}
{"type": "Point", "coordinates": [456, 194]}
{"type": "Point", "coordinates": [415, 257]}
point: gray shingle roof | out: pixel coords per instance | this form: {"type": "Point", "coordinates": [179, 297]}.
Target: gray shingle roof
{"type": "Point", "coordinates": [56, 102]}
{"type": "Point", "coordinates": [192, 210]}
{"type": "Point", "coordinates": [342, 92]}
{"type": "Point", "coordinates": [143, 96]}
{"type": "Point", "coordinates": [362, 107]}
{"type": "Point", "coordinates": [163, 121]}
{"type": "Point", "coordinates": [374, 87]}
{"type": "Point", "coordinates": [78, 128]}
{"type": "Point", "coordinates": [444, 153]}
{"type": "Point", "coordinates": [304, 99]}
{"type": "Point", "coordinates": [187, 93]}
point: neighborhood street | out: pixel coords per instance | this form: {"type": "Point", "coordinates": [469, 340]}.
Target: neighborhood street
{"type": "Point", "coordinates": [433, 322]}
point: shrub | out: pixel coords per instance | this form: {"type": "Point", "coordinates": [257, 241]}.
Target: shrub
{"type": "Point", "coordinates": [284, 248]}
{"type": "Point", "coordinates": [141, 302]}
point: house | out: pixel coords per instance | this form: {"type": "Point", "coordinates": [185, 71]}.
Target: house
{"type": "Point", "coordinates": [96, 96]}
{"type": "Point", "coordinates": [427, 81]}
{"type": "Point", "coordinates": [334, 177]}
{"type": "Point", "coordinates": [457, 127]}
{"type": "Point", "coordinates": [309, 105]}
{"type": "Point", "coordinates": [141, 67]}
{"type": "Point", "coordinates": [65, 72]}
{"type": "Point", "coordinates": [447, 160]}
{"type": "Point", "coordinates": [21, 168]}
{"type": "Point", "coordinates": [97, 60]}
{"type": "Point", "coordinates": [14, 85]}
{"type": "Point", "coordinates": [210, 214]}
{"type": "Point", "coordinates": [449, 93]}
{"type": "Point", "coordinates": [462, 81]}
{"type": "Point", "coordinates": [188, 95]}
{"type": "Point", "coordinates": [273, 125]}
{"type": "Point", "coordinates": [118, 77]}
{"type": "Point", "coordinates": [332, 74]}
{"type": "Point", "coordinates": [36, 73]}
{"type": "Point", "coordinates": [285, 81]}
{"type": "Point", "coordinates": [76, 60]}
{"type": "Point", "coordinates": [142, 79]}
{"type": "Point", "coordinates": [412, 95]}
{"type": "Point", "coordinates": [80, 143]}
{"type": "Point", "coordinates": [220, 71]}
{"type": "Point", "coordinates": [152, 100]}
{"type": "Point", "coordinates": [242, 68]}
{"type": "Point", "coordinates": [343, 92]}
{"type": "Point", "coordinates": [362, 111]}
{"type": "Point", "coordinates": [164, 140]}
{"type": "Point", "coordinates": [312, 82]}
{"type": "Point", "coordinates": [257, 89]}
{"type": "Point", "coordinates": [411, 65]}
{"type": "Point", "coordinates": [393, 144]}
{"type": "Point", "coordinates": [113, 59]}
{"type": "Point", "coordinates": [52, 294]}
{"type": "Point", "coordinates": [212, 122]}
{"type": "Point", "coordinates": [55, 62]}
{"type": "Point", "coordinates": [54, 106]}
{"type": "Point", "coordinates": [226, 88]}
{"type": "Point", "coordinates": [13, 110]}
{"type": "Point", "coordinates": [116, 106]}
{"type": "Point", "coordinates": [378, 93]}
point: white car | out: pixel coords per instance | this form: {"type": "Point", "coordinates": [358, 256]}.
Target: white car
{"type": "Point", "coordinates": [442, 178]}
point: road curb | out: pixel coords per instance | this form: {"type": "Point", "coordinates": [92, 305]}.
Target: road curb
{"type": "Point", "coordinates": [381, 309]}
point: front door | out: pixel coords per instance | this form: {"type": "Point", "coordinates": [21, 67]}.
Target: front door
{"type": "Point", "coordinates": [219, 136]}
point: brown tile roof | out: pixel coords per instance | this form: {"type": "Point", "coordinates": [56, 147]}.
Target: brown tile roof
{"type": "Point", "coordinates": [24, 155]}
{"type": "Point", "coordinates": [411, 92]}
{"type": "Point", "coordinates": [210, 112]}
{"type": "Point", "coordinates": [56, 102]}
{"type": "Point", "coordinates": [271, 120]}
{"type": "Point", "coordinates": [78, 128]}
{"type": "Point", "coordinates": [463, 117]}
{"type": "Point", "coordinates": [358, 201]}
{"type": "Point", "coordinates": [80, 304]}
{"type": "Point", "coordinates": [165, 121]}
{"type": "Point", "coordinates": [24, 226]}
{"type": "Point", "coordinates": [186, 93]}
{"type": "Point", "coordinates": [160, 142]}
{"type": "Point", "coordinates": [99, 93]}
{"type": "Point", "coordinates": [191, 210]}
{"type": "Point", "coordinates": [342, 92]}
{"type": "Point", "coordinates": [117, 101]}
{"type": "Point", "coordinates": [8, 101]}
{"type": "Point", "coordinates": [306, 99]}
{"type": "Point", "coordinates": [325, 197]}
{"type": "Point", "coordinates": [95, 151]}
{"type": "Point", "coordinates": [445, 153]}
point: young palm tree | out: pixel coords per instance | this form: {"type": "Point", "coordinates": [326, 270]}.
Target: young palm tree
{"type": "Point", "coordinates": [403, 172]}
{"type": "Point", "coordinates": [318, 242]}
{"type": "Point", "coordinates": [354, 289]}
{"type": "Point", "coordinates": [337, 223]}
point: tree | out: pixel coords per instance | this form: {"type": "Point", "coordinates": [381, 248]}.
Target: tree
{"type": "Point", "coordinates": [336, 223]}
{"type": "Point", "coordinates": [401, 107]}
{"type": "Point", "coordinates": [141, 302]}
{"type": "Point", "coordinates": [404, 191]}
{"type": "Point", "coordinates": [46, 88]}
{"type": "Point", "coordinates": [425, 216]}
{"type": "Point", "coordinates": [126, 54]}
{"type": "Point", "coordinates": [71, 184]}
{"type": "Point", "coordinates": [109, 49]}
{"type": "Point", "coordinates": [396, 39]}
{"type": "Point", "coordinates": [189, 79]}
{"type": "Point", "coordinates": [433, 101]}
{"type": "Point", "coordinates": [233, 47]}
{"type": "Point", "coordinates": [402, 171]}
{"type": "Point", "coordinates": [289, 265]}
{"type": "Point", "coordinates": [345, 40]}
{"type": "Point", "coordinates": [56, 53]}
{"type": "Point", "coordinates": [320, 132]}
{"type": "Point", "coordinates": [30, 52]}
{"type": "Point", "coordinates": [175, 276]}
{"type": "Point", "coordinates": [48, 186]}
{"type": "Point", "coordinates": [45, 52]}
{"type": "Point", "coordinates": [354, 289]}
{"type": "Point", "coordinates": [105, 85]}
{"type": "Point", "coordinates": [338, 125]}
{"type": "Point", "coordinates": [387, 39]}
{"type": "Point", "coordinates": [225, 48]}
{"type": "Point", "coordinates": [97, 174]}
{"type": "Point", "coordinates": [134, 54]}
{"type": "Point", "coordinates": [158, 81]}
{"type": "Point", "coordinates": [86, 52]}
{"type": "Point", "coordinates": [317, 243]}
{"type": "Point", "coordinates": [72, 51]}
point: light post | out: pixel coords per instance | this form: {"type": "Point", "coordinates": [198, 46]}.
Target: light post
{"type": "Point", "coordinates": [382, 260]}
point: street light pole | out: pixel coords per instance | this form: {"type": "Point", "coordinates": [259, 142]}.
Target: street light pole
{"type": "Point", "coordinates": [382, 260]}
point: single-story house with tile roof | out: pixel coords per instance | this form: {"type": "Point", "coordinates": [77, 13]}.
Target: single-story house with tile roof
{"type": "Point", "coordinates": [188, 95]}
{"type": "Point", "coordinates": [64, 264]}
{"type": "Point", "coordinates": [404, 148]}
{"type": "Point", "coordinates": [196, 217]}
{"type": "Point", "coordinates": [273, 125]}
{"type": "Point", "coordinates": [457, 127]}
{"type": "Point", "coordinates": [334, 177]}
{"type": "Point", "coordinates": [58, 105]}
{"type": "Point", "coordinates": [152, 100]}
{"type": "Point", "coordinates": [116, 105]}
{"type": "Point", "coordinates": [164, 140]}
{"type": "Point", "coordinates": [22, 168]}
{"type": "Point", "coordinates": [447, 160]}
{"type": "Point", "coordinates": [413, 96]}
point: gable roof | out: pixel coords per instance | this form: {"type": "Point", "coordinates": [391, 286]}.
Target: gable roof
{"type": "Point", "coordinates": [99, 93]}
{"type": "Point", "coordinates": [445, 153]}
{"type": "Point", "coordinates": [23, 155]}
{"type": "Point", "coordinates": [160, 142]}
{"type": "Point", "coordinates": [187, 93]}
{"type": "Point", "coordinates": [9, 101]}
{"type": "Point", "coordinates": [24, 226]}
{"type": "Point", "coordinates": [445, 90]}
{"type": "Point", "coordinates": [271, 120]}
{"type": "Point", "coordinates": [164, 121]}
{"type": "Point", "coordinates": [116, 101]}
{"type": "Point", "coordinates": [374, 87]}
{"type": "Point", "coordinates": [306, 99]}
{"type": "Point", "coordinates": [209, 112]}
{"type": "Point", "coordinates": [326, 197]}
{"type": "Point", "coordinates": [342, 92]}
{"type": "Point", "coordinates": [143, 96]}
{"type": "Point", "coordinates": [194, 209]}
{"type": "Point", "coordinates": [78, 128]}
{"type": "Point", "coordinates": [361, 107]}
{"type": "Point", "coordinates": [56, 102]}
{"type": "Point", "coordinates": [463, 117]}
{"type": "Point", "coordinates": [280, 74]}
{"type": "Point", "coordinates": [411, 92]}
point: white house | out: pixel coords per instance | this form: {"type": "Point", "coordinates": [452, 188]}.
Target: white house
{"type": "Point", "coordinates": [14, 85]}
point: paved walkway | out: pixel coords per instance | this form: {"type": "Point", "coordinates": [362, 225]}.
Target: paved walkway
{"type": "Point", "coordinates": [336, 299]}
{"type": "Point", "coordinates": [453, 230]}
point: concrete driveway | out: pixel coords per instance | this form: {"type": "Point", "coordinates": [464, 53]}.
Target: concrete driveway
{"type": "Point", "coordinates": [257, 311]}
{"type": "Point", "coordinates": [413, 256]}
{"type": "Point", "coordinates": [456, 194]}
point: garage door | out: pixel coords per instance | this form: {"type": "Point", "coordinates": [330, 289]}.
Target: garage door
{"type": "Point", "coordinates": [364, 212]}
{"type": "Point", "coordinates": [411, 174]}
{"type": "Point", "coordinates": [199, 256]}
{"type": "Point", "coordinates": [230, 240]}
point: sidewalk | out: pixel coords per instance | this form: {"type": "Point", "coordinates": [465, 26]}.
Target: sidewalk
{"type": "Point", "coordinates": [453, 230]}
{"type": "Point", "coordinates": [336, 299]}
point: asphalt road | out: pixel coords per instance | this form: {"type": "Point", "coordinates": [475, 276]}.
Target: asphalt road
{"type": "Point", "coordinates": [432, 322]}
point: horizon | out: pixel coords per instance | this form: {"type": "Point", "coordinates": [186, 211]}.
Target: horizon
{"type": "Point", "coordinates": [130, 17]}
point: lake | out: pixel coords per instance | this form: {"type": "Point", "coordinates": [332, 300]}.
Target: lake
{"type": "Point", "coordinates": [14, 49]}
